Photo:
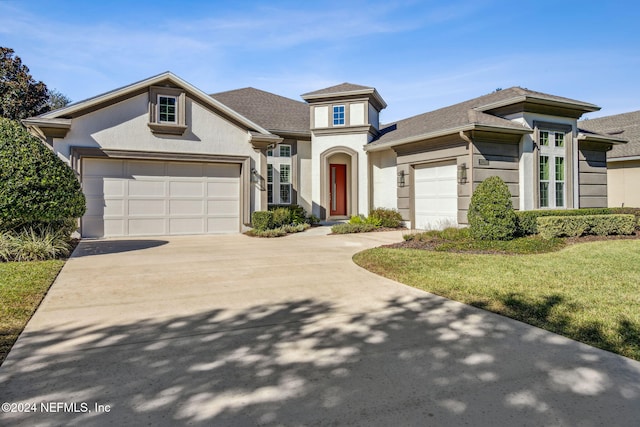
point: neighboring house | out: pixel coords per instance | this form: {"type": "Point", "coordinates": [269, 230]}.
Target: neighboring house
{"type": "Point", "coordinates": [162, 157]}
{"type": "Point", "coordinates": [623, 161]}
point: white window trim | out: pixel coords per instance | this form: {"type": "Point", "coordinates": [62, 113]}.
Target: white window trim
{"type": "Point", "coordinates": [552, 152]}
{"type": "Point", "coordinates": [177, 106]}
{"type": "Point", "coordinates": [276, 162]}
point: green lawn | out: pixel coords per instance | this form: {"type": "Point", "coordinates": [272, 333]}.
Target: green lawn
{"type": "Point", "coordinates": [22, 287]}
{"type": "Point", "coordinates": [589, 292]}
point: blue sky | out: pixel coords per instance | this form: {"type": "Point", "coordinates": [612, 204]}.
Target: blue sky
{"type": "Point", "coordinates": [420, 55]}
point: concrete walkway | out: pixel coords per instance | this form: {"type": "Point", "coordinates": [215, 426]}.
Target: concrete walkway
{"type": "Point", "coordinates": [230, 330]}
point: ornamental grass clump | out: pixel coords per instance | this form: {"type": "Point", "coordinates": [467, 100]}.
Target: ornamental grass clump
{"type": "Point", "coordinates": [491, 215]}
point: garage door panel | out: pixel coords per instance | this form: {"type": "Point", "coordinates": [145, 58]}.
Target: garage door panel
{"type": "Point", "coordinates": [142, 198]}
{"type": "Point", "coordinates": [222, 207]}
{"type": "Point", "coordinates": [104, 168]}
{"type": "Point", "coordinates": [186, 226]}
{"type": "Point", "coordinates": [146, 188]}
{"type": "Point", "coordinates": [185, 170]}
{"type": "Point", "coordinates": [113, 207]}
{"type": "Point", "coordinates": [186, 207]}
{"type": "Point", "coordinates": [222, 225]}
{"type": "Point", "coordinates": [186, 189]}
{"type": "Point", "coordinates": [436, 196]}
{"type": "Point", "coordinates": [221, 170]}
{"type": "Point", "coordinates": [142, 168]}
{"type": "Point", "coordinates": [229, 187]}
{"type": "Point", "coordinates": [146, 226]}
{"type": "Point", "coordinates": [146, 208]}
{"type": "Point", "coordinates": [111, 227]}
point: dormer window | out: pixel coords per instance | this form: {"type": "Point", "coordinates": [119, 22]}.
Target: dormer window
{"type": "Point", "coordinates": [167, 107]}
{"type": "Point", "coordinates": [167, 110]}
{"type": "Point", "coordinates": [338, 115]}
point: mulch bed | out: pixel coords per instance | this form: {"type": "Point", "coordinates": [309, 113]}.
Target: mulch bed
{"type": "Point", "coordinates": [430, 245]}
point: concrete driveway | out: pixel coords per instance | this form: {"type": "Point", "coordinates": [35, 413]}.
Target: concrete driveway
{"type": "Point", "coordinates": [230, 330]}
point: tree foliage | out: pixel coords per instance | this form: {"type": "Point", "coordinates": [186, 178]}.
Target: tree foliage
{"type": "Point", "coordinates": [35, 185]}
{"type": "Point", "coordinates": [491, 215]}
{"type": "Point", "coordinates": [57, 99]}
{"type": "Point", "coordinates": [20, 95]}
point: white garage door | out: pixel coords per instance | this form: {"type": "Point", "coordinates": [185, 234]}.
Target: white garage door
{"type": "Point", "coordinates": [144, 198]}
{"type": "Point", "coordinates": [436, 196]}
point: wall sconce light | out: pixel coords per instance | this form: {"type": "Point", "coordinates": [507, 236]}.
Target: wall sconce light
{"type": "Point", "coordinates": [401, 179]}
{"type": "Point", "coordinates": [462, 173]}
{"type": "Point", "coordinates": [255, 178]}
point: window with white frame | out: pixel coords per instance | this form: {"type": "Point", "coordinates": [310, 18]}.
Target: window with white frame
{"type": "Point", "coordinates": [338, 115]}
{"type": "Point", "coordinates": [279, 175]}
{"type": "Point", "coordinates": [167, 109]}
{"type": "Point", "coordinates": [270, 184]}
{"type": "Point", "coordinates": [552, 169]}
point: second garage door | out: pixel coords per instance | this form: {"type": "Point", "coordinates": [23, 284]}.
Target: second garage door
{"type": "Point", "coordinates": [436, 196]}
{"type": "Point", "coordinates": [144, 198]}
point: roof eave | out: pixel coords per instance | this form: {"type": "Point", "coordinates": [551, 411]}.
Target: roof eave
{"type": "Point", "coordinates": [48, 128]}
{"type": "Point", "coordinates": [117, 93]}
{"type": "Point", "coordinates": [581, 106]}
{"type": "Point", "coordinates": [445, 132]}
{"type": "Point", "coordinates": [372, 92]}
{"type": "Point", "coordinates": [600, 139]}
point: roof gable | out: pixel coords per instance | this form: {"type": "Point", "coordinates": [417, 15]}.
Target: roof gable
{"type": "Point", "coordinates": [165, 79]}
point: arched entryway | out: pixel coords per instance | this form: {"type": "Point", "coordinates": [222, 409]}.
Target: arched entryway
{"type": "Point", "coordinates": [339, 183]}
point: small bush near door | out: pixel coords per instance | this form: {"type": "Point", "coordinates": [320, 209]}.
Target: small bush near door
{"type": "Point", "coordinates": [280, 221]}
{"type": "Point", "coordinates": [388, 218]}
{"type": "Point", "coordinates": [491, 215]}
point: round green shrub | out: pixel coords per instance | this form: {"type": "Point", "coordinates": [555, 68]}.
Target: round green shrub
{"type": "Point", "coordinates": [491, 215]}
{"type": "Point", "coordinates": [36, 187]}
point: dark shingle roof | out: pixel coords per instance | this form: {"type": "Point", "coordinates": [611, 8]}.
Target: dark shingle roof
{"type": "Point", "coordinates": [343, 87]}
{"type": "Point", "coordinates": [469, 113]}
{"type": "Point", "coordinates": [272, 112]}
{"type": "Point", "coordinates": [625, 126]}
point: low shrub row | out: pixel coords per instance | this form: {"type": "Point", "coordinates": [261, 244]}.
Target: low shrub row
{"type": "Point", "coordinates": [580, 225]}
{"type": "Point", "coordinates": [527, 220]}
{"type": "Point", "coordinates": [378, 218]}
{"type": "Point", "coordinates": [280, 221]}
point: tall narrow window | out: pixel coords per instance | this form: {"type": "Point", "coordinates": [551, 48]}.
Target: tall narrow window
{"type": "Point", "coordinates": [269, 184]}
{"type": "Point", "coordinates": [544, 181]}
{"type": "Point", "coordinates": [552, 169]}
{"type": "Point", "coordinates": [338, 115]}
{"type": "Point", "coordinates": [279, 175]}
{"type": "Point", "coordinates": [285, 184]}
{"type": "Point", "coordinates": [167, 109]}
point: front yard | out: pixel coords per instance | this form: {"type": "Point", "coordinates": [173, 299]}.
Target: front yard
{"type": "Point", "coordinates": [589, 292]}
{"type": "Point", "coordinates": [22, 287]}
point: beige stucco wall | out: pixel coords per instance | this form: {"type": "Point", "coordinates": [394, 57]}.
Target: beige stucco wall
{"type": "Point", "coordinates": [384, 178]}
{"type": "Point", "coordinates": [623, 184]}
{"type": "Point", "coordinates": [123, 126]}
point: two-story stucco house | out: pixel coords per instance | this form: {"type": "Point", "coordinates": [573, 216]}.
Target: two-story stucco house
{"type": "Point", "coordinates": [162, 157]}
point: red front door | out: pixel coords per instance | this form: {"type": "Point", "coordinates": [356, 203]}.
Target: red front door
{"type": "Point", "coordinates": [337, 190]}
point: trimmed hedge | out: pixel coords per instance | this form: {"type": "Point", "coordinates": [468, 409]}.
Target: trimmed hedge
{"type": "Point", "coordinates": [491, 215]}
{"type": "Point", "coordinates": [527, 223]}
{"type": "Point", "coordinates": [262, 220]}
{"type": "Point", "coordinates": [579, 225]}
{"type": "Point", "coordinates": [353, 228]}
